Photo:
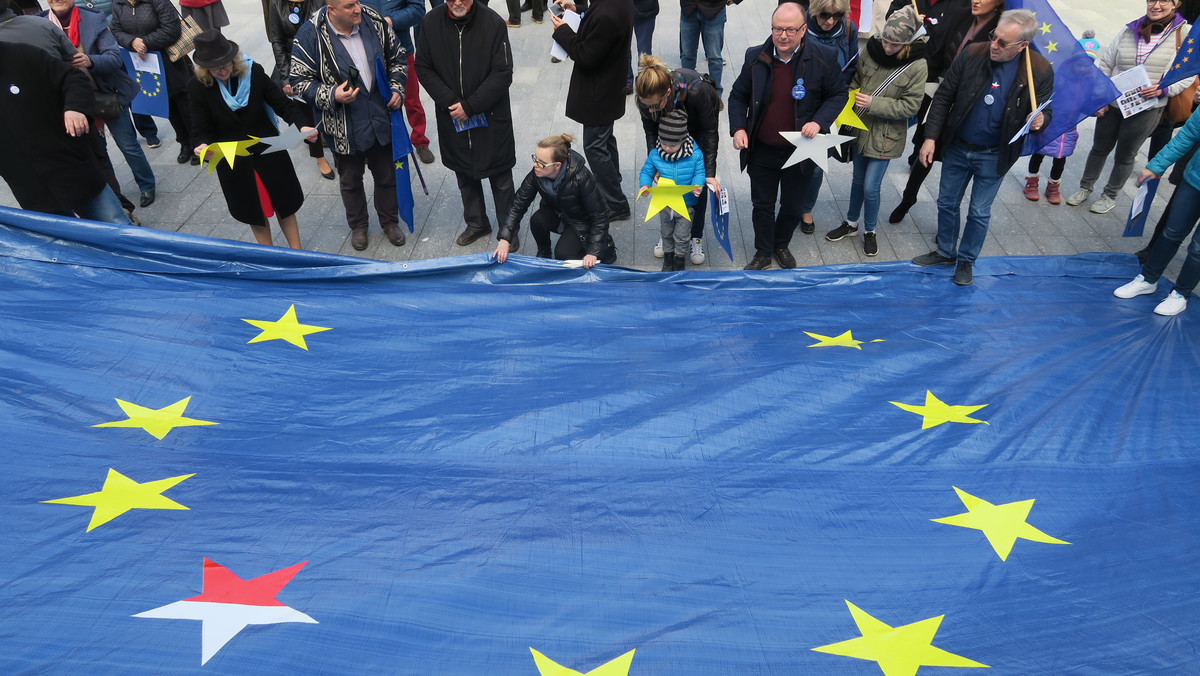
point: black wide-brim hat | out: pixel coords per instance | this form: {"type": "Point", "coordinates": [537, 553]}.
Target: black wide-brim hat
{"type": "Point", "coordinates": [213, 49]}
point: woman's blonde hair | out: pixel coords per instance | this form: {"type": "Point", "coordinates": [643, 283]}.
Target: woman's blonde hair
{"type": "Point", "coordinates": [205, 75]}
{"type": "Point", "coordinates": [828, 6]}
{"type": "Point", "coordinates": [559, 143]}
{"type": "Point", "coordinates": [653, 78]}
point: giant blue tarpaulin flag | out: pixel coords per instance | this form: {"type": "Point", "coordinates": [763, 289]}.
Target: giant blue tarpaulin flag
{"type": "Point", "coordinates": [1080, 89]}
{"type": "Point", "coordinates": [267, 462]}
{"type": "Point", "coordinates": [401, 147]}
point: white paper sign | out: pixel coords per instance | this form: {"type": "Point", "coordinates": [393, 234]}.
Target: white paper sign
{"type": "Point", "coordinates": [572, 20]}
{"type": "Point", "coordinates": [1130, 102]}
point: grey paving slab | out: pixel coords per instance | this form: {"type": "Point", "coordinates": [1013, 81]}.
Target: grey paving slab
{"type": "Point", "coordinates": [189, 199]}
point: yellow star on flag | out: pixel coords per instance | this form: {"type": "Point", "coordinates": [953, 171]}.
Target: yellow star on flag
{"type": "Point", "coordinates": [1045, 28]}
{"type": "Point", "coordinates": [667, 195]}
{"type": "Point", "coordinates": [1001, 524]}
{"type": "Point", "coordinates": [900, 651]}
{"type": "Point", "coordinates": [616, 667]}
{"type": "Point", "coordinates": [399, 163]}
{"type": "Point", "coordinates": [121, 494]}
{"type": "Point", "coordinates": [844, 340]}
{"type": "Point", "coordinates": [848, 117]}
{"type": "Point", "coordinates": [935, 412]}
{"type": "Point", "coordinates": [226, 150]}
{"type": "Point", "coordinates": [157, 422]}
{"type": "Point", "coordinates": [285, 328]}
{"type": "Point", "coordinates": [1051, 46]}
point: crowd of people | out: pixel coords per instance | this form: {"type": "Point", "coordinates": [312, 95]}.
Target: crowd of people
{"type": "Point", "coordinates": [961, 70]}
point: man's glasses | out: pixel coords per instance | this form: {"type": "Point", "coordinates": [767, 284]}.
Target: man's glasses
{"type": "Point", "coordinates": [787, 31]}
{"type": "Point", "coordinates": [538, 164]}
{"type": "Point", "coordinates": [1003, 43]}
{"type": "Point", "coordinates": [826, 16]}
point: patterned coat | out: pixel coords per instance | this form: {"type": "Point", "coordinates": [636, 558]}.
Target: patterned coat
{"type": "Point", "coordinates": [315, 73]}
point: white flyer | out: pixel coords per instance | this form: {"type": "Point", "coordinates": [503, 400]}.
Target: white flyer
{"type": "Point", "coordinates": [572, 20]}
{"type": "Point", "coordinates": [1130, 102]}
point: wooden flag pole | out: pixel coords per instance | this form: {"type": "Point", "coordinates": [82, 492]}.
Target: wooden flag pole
{"type": "Point", "coordinates": [915, 9]}
{"type": "Point", "coordinates": [1029, 77]}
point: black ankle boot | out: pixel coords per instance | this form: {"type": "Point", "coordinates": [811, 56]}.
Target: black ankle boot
{"type": "Point", "coordinates": [668, 262]}
{"type": "Point", "coordinates": [901, 211]}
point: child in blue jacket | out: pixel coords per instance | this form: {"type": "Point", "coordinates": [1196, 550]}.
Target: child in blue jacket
{"type": "Point", "coordinates": [677, 158]}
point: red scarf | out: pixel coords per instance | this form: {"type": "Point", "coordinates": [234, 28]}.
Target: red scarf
{"type": "Point", "coordinates": [72, 27]}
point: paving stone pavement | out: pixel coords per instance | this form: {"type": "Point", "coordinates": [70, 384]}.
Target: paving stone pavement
{"type": "Point", "coordinates": [189, 199]}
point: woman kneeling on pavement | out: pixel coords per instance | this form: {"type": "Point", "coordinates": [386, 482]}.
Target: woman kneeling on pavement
{"type": "Point", "coordinates": [570, 206]}
{"type": "Point", "coordinates": [891, 82]}
{"type": "Point", "coordinates": [232, 99]}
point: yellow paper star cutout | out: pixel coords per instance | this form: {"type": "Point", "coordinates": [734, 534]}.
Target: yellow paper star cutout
{"type": "Point", "coordinates": [285, 328]}
{"type": "Point", "coordinates": [1045, 28]}
{"type": "Point", "coordinates": [121, 494]}
{"type": "Point", "coordinates": [848, 117]}
{"type": "Point", "coordinates": [616, 667]}
{"type": "Point", "coordinates": [157, 422]}
{"type": "Point", "coordinates": [667, 195]}
{"type": "Point", "coordinates": [935, 412]}
{"type": "Point", "coordinates": [900, 651]}
{"type": "Point", "coordinates": [226, 150]}
{"type": "Point", "coordinates": [1001, 524]}
{"type": "Point", "coordinates": [1052, 46]}
{"type": "Point", "coordinates": [844, 340]}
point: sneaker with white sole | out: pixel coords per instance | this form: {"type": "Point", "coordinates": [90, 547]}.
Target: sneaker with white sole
{"type": "Point", "coordinates": [1138, 287]}
{"type": "Point", "coordinates": [1103, 205]}
{"type": "Point", "coordinates": [1079, 197]}
{"type": "Point", "coordinates": [658, 250]}
{"type": "Point", "coordinates": [1172, 305]}
{"type": "Point", "coordinates": [697, 251]}
{"type": "Point", "coordinates": [846, 229]}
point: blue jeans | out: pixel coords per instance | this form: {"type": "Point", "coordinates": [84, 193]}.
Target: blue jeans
{"type": "Point", "coordinates": [103, 207]}
{"type": "Point", "coordinates": [1184, 213]}
{"type": "Point", "coordinates": [864, 187]}
{"type": "Point", "coordinates": [643, 34]}
{"type": "Point", "coordinates": [694, 27]}
{"type": "Point", "coordinates": [121, 128]}
{"type": "Point", "coordinates": [961, 165]}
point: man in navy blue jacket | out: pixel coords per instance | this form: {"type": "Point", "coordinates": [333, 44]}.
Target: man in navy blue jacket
{"type": "Point", "coordinates": [786, 84]}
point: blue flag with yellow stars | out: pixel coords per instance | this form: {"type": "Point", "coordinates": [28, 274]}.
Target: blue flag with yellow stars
{"type": "Point", "coordinates": [401, 147]}
{"type": "Point", "coordinates": [1187, 60]}
{"type": "Point", "coordinates": [1080, 89]}
{"type": "Point", "coordinates": [259, 461]}
{"type": "Point", "coordinates": [152, 82]}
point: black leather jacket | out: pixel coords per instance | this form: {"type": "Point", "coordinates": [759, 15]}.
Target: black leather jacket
{"type": "Point", "coordinates": [578, 204]}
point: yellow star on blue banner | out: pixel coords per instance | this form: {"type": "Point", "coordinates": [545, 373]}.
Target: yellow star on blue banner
{"type": "Point", "coordinates": [616, 667]}
{"type": "Point", "coordinates": [1002, 525]}
{"type": "Point", "coordinates": [900, 651]}
{"type": "Point", "coordinates": [286, 328]}
{"type": "Point", "coordinates": [935, 411]}
{"type": "Point", "coordinates": [159, 422]}
{"type": "Point", "coordinates": [121, 494]}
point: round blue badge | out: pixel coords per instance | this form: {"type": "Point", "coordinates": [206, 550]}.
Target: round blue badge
{"type": "Point", "coordinates": [799, 91]}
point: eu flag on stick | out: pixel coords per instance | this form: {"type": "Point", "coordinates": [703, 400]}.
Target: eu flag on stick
{"type": "Point", "coordinates": [148, 73]}
{"type": "Point", "coordinates": [401, 147]}
{"type": "Point", "coordinates": [1080, 89]}
{"type": "Point", "coordinates": [1186, 63]}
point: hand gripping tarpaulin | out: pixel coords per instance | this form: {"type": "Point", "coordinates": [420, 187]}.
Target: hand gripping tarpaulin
{"type": "Point", "coordinates": [269, 462]}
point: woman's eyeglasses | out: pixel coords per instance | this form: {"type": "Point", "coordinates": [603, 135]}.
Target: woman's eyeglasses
{"type": "Point", "coordinates": [538, 164]}
{"type": "Point", "coordinates": [826, 16]}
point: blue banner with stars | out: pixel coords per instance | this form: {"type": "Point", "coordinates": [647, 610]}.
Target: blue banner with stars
{"type": "Point", "coordinates": [1186, 63]}
{"type": "Point", "coordinates": [148, 72]}
{"type": "Point", "coordinates": [261, 461]}
{"type": "Point", "coordinates": [401, 148]}
{"type": "Point", "coordinates": [1080, 89]}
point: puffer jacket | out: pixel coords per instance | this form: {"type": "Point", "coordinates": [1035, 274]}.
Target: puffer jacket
{"type": "Point", "coordinates": [1121, 55]}
{"type": "Point", "coordinates": [684, 171]}
{"type": "Point", "coordinates": [1062, 146]}
{"type": "Point", "coordinates": [887, 117]}
{"type": "Point", "coordinates": [156, 22]}
{"type": "Point", "coordinates": [578, 203]}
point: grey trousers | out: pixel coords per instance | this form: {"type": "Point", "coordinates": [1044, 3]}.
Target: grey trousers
{"type": "Point", "coordinates": [1126, 135]}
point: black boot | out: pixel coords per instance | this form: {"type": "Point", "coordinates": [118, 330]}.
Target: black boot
{"type": "Point", "coordinates": [668, 262]}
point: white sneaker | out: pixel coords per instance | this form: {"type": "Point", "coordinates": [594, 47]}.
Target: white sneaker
{"type": "Point", "coordinates": [658, 250]}
{"type": "Point", "coordinates": [697, 252]}
{"type": "Point", "coordinates": [1103, 205]}
{"type": "Point", "coordinates": [1172, 305]}
{"type": "Point", "coordinates": [1138, 287]}
{"type": "Point", "coordinates": [1079, 197]}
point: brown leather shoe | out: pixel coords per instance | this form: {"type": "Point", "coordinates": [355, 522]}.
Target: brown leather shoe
{"type": "Point", "coordinates": [785, 258]}
{"type": "Point", "coordinates": [358, 239]}
{"type": "Point", "coordinates": [424, 154]}
{"type": "Point", "coordinates": [469, 235]}
{"type": "Point", "coordinates": [394, 235]}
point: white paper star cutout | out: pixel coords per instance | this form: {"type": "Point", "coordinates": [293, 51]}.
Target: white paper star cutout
{"type": "Point", "coordinates": [289, 138]}
{"type": "Point", "coordinates": [815, 149]}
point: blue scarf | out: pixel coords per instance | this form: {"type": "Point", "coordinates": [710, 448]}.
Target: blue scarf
{"type": "Point", "coordinates": [238, 100]}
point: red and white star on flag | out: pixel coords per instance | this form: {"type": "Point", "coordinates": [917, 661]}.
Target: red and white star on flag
{"type": "Point", "coordinates": [227, 604]}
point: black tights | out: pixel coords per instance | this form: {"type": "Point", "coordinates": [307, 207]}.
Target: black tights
{"type": "Point", "coordinates": [1056, 168]}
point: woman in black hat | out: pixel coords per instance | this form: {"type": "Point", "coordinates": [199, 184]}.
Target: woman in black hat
{"type": "Point", "coordinates": [233, 99]}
